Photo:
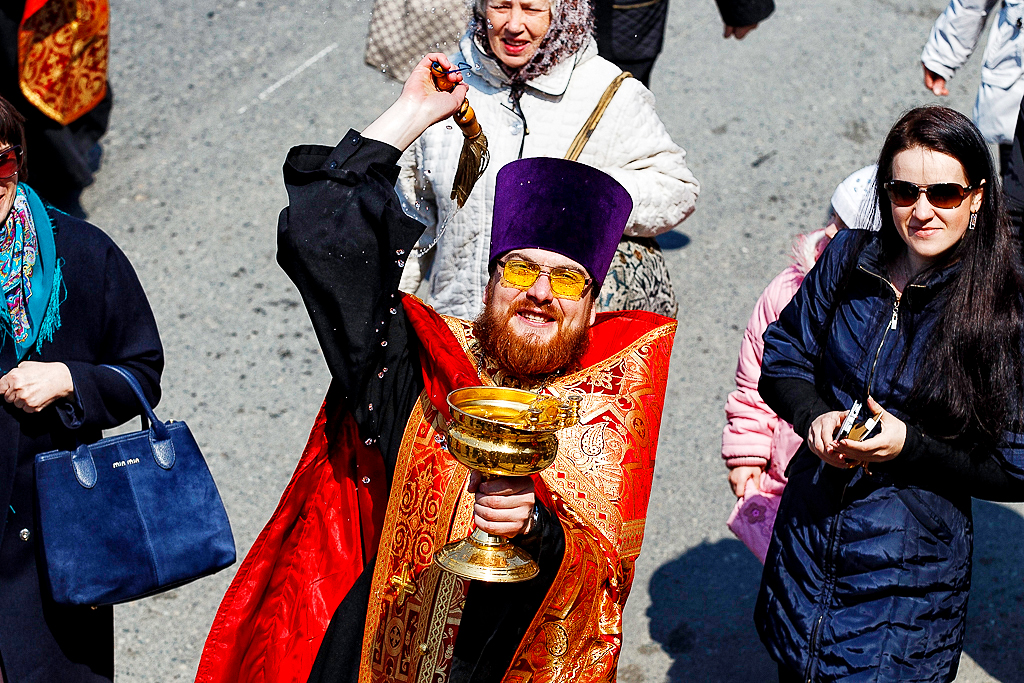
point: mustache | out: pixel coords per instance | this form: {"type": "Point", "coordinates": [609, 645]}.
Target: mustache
{"type": "Point", "coordinates": [550, 310]}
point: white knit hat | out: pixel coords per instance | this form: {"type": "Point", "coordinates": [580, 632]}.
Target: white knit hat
{"type": "Point", "coordinates": [854, 200]}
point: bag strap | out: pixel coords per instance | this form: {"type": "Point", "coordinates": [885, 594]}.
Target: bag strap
{"type": "Point", "coordinates": [158, 427]}
{"type": "Point", "coordinates": [595, 117]}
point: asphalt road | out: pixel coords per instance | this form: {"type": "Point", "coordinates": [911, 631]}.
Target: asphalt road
{"type": "Point", "coordinates": [209, 96]}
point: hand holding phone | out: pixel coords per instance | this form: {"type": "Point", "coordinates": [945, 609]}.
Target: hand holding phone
{"type": "Point", "coordinates": [855, 429]}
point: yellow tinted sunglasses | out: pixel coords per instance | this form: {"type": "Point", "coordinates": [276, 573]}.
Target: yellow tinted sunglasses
{"type": "Point", "coordinates": [566, 283]}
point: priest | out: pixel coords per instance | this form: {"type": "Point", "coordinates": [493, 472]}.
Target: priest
{"type": "Point", "coordinates": [341, 585]}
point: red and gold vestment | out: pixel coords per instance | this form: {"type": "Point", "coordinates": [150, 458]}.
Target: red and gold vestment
{"type": "Point", "coordinates": [330, 522]}
{"type": "Point", "coordinates": [62, 56]}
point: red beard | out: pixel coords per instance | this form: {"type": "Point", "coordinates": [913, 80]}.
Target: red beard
{"type": "Point", "coordinates": [525, 356]}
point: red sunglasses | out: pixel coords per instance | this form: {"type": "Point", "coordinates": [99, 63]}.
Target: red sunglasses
{"type": "Point", "coordinates": [10, 162]}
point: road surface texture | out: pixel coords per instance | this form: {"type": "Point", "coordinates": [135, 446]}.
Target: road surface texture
{"type": "Point", "coordinates": [210, 95]}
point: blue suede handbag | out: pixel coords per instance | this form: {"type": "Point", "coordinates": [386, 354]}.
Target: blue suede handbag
{"type": "Point", "coordinates": [130, 515]}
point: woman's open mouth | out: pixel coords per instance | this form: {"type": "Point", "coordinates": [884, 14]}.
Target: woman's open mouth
{"type": "Point", "coordinates": [514, 47]}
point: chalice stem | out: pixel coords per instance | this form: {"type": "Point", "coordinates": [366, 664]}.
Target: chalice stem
{"type": "Point", "coordinates": [486, 539]}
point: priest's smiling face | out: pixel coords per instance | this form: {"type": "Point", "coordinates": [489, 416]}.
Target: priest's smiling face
{"type": "Point", "coordinates": [532, 332]}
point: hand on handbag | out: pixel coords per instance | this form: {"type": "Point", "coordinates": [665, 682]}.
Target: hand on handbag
{"type": "Point", "coordinates": [145, 501]}
{"type": "Point", "coordinates": [33, 385]}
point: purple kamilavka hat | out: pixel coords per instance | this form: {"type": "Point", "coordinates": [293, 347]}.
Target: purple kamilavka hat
{"type": "Point", "coordinates": [562, 206]}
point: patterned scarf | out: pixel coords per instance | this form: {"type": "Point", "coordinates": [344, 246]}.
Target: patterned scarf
{"type": "Point", "coordinates": [572, 25]}
{"type": "Point", "coordinates": [19, 249]}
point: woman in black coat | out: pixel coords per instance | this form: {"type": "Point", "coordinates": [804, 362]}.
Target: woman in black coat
{"type": "Point", "coordinates": [869, 568]}
{"type": "Point", "coordinates": [71, 302]}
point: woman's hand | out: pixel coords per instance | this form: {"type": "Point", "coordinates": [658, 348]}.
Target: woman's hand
{"type": "Point", "coordinates": [504, 505]}
{"type": "Point", "coordinates": [420, 105]}
{"type": "Point", "coordinates": [32, 385]}
{"type": "Point", "coordinates": [885, 445]}
{"type": "Point", "coordinates": [738, 477]}
{"type": "Point", "coordinates": [820, 437]}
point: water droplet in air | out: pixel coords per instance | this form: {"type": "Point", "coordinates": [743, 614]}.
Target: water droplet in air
{"type": "Point", "coordinates": [448, 127]}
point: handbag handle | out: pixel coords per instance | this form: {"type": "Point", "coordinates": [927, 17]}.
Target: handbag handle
{"type": "Point", "coordinates": [163, 450]}
{"type": "Point", "coordinates": [160, 443]}
{"type": "Point", "coordinates": [581, 139]}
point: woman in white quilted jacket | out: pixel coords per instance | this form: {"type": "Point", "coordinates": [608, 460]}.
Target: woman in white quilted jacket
{"type": "Point", "coordinates": [534, 78]}
{"type": "Point", "coordinates": [954, 37]}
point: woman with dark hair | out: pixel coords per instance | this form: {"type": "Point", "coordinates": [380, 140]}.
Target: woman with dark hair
{"type": "Point", "coordinates": [71, 302]}
{"type": "Point", "coordinates": [869, 567]}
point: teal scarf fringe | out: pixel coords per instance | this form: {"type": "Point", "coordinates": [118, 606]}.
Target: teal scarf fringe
{"type": "Point", "coordinates": [51, 321]}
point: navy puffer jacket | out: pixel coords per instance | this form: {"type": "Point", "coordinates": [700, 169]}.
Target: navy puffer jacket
{"type": "Point", "coordinates": [867, 575]}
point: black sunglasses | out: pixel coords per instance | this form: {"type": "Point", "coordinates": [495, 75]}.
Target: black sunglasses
{"type": "Point", "coordinates": [10, 162]}
{"type": "Point", "coordinates": [940, 195]}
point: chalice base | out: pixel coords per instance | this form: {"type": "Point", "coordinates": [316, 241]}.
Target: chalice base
{"type": "Point", "coordinates": [484, 557]}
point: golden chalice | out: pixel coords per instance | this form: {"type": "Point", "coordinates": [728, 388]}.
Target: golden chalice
{"type": "Point", "coordinates": [501, 432]}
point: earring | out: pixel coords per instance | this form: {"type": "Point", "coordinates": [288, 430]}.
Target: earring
{"type": "Point", "coordinates": [974, 221]}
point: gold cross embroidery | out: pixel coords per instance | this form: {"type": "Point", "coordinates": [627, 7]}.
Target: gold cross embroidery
{"type": "Point", "coordinates": [403, 584]}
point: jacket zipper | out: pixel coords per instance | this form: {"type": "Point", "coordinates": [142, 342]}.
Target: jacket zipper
{"type": "Point", "coordinates": [812, 649]}
{"type": "Point", "coordinates": [891, 326]}
{"type": "Point", "coordinates": [878, 352]}
{"type": "Point", "coordinates": [833, 530]}
{"type": "Point", "coordinates": [517, 109]}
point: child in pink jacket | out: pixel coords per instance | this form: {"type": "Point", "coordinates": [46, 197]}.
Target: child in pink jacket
{"type": "Point", "coordinates": [756, 444]}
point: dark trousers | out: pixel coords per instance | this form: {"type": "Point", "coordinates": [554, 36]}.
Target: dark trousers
{"type": "Point", "coordinates": [630, 34]}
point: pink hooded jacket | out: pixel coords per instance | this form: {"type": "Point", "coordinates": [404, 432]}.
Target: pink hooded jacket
{"type": "Point", "coordinates": [755, 436]}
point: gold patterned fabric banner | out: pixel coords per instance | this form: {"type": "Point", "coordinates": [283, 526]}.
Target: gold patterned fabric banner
{"type": "Point", "coordinates": [62, 56]}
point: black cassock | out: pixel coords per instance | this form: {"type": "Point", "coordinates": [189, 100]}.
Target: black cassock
{"type": "Point", "coordinates": [343, 240]}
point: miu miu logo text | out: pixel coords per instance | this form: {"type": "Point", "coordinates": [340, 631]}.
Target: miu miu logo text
{"type": "Point", "coordinates": [125, 463]}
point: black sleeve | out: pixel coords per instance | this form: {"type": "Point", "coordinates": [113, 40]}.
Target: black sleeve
{"type": "Point", "coordinates": [983, 473]}
{"type": "Point", "coordinates": [794, 400]}
{"type": "Point", "coordinates": [738, 13]}
{"type": "Point", "coordinates": [1013, 183]}
{"type": "Point", "coordinates": [102, 398]}
{"type": "Point", "coordinates": [343, 240]}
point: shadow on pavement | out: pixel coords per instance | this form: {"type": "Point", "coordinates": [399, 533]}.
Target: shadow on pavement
{"type": "Point", "coordinates": [672, 240]}
{"type": "Point", "coordinates": [702, 606]}
{"type": "Point", "coordinates": [995, 612]}
{"type": "Point", "coordinates": [702, 615]}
